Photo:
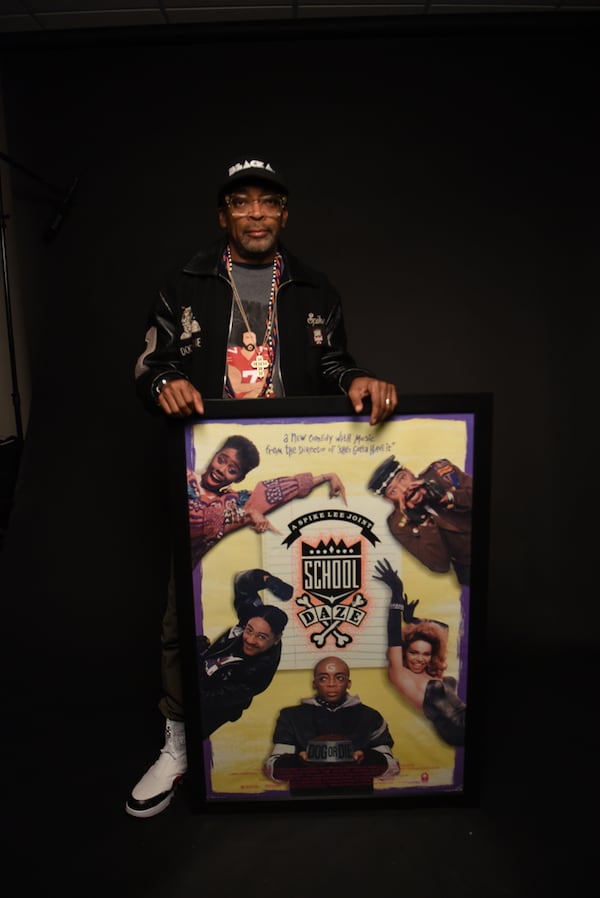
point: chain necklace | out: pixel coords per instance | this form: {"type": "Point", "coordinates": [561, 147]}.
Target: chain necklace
{"type": "Point", "coordinates": [265, 352]}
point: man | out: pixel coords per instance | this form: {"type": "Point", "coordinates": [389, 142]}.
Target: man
{"type": "Point", "coordinates": [242, 661]}
{"type": "Point", "coordinates": [245, 318]}
{"type": "Point", "coordinates": [247, 292]}
{"type": "Point", "coordinates": [331, 743]}
{"type": "Point", "coordinates": [432, 513]}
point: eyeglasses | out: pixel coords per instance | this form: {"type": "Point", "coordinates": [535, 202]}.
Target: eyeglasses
{"type": "Point", "coordinates": [262, 637]}
{"type": "Point", "coordinates": [270, 206]}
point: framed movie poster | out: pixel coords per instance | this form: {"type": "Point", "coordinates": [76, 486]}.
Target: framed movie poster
{"type": "Point", "coordinates": [331, 580]}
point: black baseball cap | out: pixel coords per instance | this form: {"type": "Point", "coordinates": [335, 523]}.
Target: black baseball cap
{"type": "Point", "coordinates": [383, 475]}
{"type": "Point", "coordinates": [251, 170]}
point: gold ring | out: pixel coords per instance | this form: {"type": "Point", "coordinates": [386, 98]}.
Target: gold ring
{"type": "Point", "coordinates": [387, 401]}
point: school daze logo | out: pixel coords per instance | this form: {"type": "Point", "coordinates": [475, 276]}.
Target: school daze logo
{"type": "Point", "coordinates": [332, 600]}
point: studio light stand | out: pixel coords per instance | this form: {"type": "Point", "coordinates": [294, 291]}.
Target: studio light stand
{"type": "Point", "coordinates": [11, 447]}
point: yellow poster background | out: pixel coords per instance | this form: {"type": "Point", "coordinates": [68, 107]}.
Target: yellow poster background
{"type": "Point", "coordinates": [351, 448]}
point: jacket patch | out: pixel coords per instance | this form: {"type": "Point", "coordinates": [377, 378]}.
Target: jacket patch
{"type": "Point", "coordinates": [446, 470]}
{"type": "Point", "coordinates": [190, 332]}
{"type": "Point", "coordinates": [316, 330]}
{"type": "Point", "coordinates": [189, 325]}
{"type": "Point", "coordinates": [212, 665]}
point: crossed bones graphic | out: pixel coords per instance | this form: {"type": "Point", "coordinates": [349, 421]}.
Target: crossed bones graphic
{"type": "Point", "coordinates": [331, 628]}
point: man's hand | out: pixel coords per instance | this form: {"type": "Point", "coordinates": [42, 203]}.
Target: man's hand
{"type": "Point", "coordinates": [383, 396]}
{"type": "Point", "coordinates": [179, 399]}
{"type": "Point", "coordinates": [439, 494]}
{"type": "Point", "coordinates": [413, 496]}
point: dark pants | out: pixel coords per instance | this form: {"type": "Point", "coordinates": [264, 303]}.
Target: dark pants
{"type": "Point", "coordinates": [171, 704]}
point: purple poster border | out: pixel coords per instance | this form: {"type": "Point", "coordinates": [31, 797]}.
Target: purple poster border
{"type": "Point", "coordinates": [475, 410]}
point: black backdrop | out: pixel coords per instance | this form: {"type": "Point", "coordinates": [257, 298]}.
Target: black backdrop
{"type": "Point", "coordinates": [446, 178]}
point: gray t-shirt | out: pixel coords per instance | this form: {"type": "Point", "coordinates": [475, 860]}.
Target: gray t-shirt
{"type": "Point", "coordinates": [248, 368]}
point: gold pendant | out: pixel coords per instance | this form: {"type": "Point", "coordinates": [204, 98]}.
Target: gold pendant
{"type": "Point", "coordinates": [260, 363]}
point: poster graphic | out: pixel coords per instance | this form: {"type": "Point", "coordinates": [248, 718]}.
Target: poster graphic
{"type": "Point", "coordinates": [329, 572]}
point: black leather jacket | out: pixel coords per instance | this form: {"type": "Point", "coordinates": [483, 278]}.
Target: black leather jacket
{"type": "Point", "coordinates": [228, 679]}
{"type": "Point", "coordinates": [188, 328]}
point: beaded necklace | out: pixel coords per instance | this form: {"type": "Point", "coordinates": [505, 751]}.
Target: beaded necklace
{"type": "Point", "coordinates": [264, 361]}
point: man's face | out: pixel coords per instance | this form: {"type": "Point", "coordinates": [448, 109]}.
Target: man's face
{"type": "Point", "coordinates": [399, 485]}
{"type": "Point", "coordinates": [257, 637]}
{"type": "Point", "coordinates": [223, 469]}
{"type": "Point", "coordinates": [253, 220]}
{"type": "Point", "coordinates": [331, 680]}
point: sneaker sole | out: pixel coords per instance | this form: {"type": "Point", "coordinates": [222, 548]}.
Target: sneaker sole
{"type": "Point", "coordinates": [146, 809]}
{"type": "Point", "coordinates": [149, 811]}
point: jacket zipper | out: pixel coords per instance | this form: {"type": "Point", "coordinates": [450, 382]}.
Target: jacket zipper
{"type": "Point", "coordinates": [279, 374]}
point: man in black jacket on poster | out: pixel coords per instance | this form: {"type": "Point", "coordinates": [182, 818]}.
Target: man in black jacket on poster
{"type": "Point", "coordinates": [331, 744]}
{"type": "Point", "coordinates": [242, 661]}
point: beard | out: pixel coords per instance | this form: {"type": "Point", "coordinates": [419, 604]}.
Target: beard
{"type": "Point", "coordinates": [255, 250]}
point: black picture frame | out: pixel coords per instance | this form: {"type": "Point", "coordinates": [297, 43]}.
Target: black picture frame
{"type": "Point", "coordinates": [316, 436]}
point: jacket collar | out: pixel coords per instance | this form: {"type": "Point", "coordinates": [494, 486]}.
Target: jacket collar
{"type": "Point", "coordinates": [208, 263]}
{"type": "Point", "coordinates": [349, 702]}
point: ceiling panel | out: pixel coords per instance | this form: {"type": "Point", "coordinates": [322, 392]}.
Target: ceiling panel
{"type": "Point", "coordinates": [56, 15]}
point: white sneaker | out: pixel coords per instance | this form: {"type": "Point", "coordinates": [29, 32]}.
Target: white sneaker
{"type": "Point", "coordinates": [156, 788]}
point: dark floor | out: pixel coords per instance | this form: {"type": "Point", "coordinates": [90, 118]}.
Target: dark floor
{"type": "Point", "coordinates": [69, 763]}
{"type": "Point", "coordinates": [66, 829]}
